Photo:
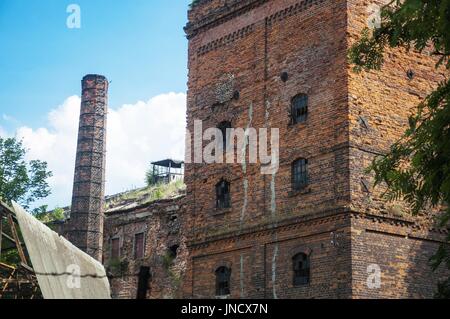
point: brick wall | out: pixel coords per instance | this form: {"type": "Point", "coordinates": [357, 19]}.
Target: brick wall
{"type": "Point", "coordinates": [163, 224]}
{"type": "Point", "coordinates": [379, 105]}
{"type": "Point", "coordinates": [85, 229]}
{"type": "Point", "coordinates": [261, 259]}
{"type": "Point", "coordinates": [244, 46]}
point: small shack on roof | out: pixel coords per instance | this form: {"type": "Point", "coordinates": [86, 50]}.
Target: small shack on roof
{"type": "Point", "coordinates": [167, 171]}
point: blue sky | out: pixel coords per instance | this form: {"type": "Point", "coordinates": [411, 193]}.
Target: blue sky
{"type": "Point", "coordinates": [139, 45]}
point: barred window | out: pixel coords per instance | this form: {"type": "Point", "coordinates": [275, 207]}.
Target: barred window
{"type": "Point", "coordinates": [301, 269]}
{"type": "Point", "coordinates": [299, 110]}
{"type": "Point", "coordinates": [300, 174]}
{"type": "Point", "coordinates": [139, 247]}
{"type": "Point", "coordinates": [223, 275]}
{"type": "Point", "coordinates": [223, 198]}
{"type": "Point", "coordinates": [115, 248]}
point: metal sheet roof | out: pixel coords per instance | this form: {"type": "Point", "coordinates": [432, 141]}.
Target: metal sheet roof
{"type": "Point", "coordinates": [63, 271]}
{"type": "Point", "coordinates": [169, 162]}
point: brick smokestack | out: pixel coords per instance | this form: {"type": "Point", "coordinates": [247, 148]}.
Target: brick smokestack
{"type": "Point", "coordinates": [87, 212]}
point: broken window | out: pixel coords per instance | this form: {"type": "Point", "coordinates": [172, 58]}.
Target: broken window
{"type": "Point", "coordinates": [300, 174]}
{"type": "Point", "coordinates": [225, 127]}
{"type": "Point", "coordinates": [301, 269]}
{"type": "Point", "coordinates": [173, 251]}
{"type": "Point", "coordinates": [115, 248]}
{"type": "Point", "coordinates": [139, 246]}
{"type": "Point", "coordinates": [223, 275]}
{"type": "Point", "coordinates": [299, 110]}
{"type": "Point", "coordinates": [223, 195]}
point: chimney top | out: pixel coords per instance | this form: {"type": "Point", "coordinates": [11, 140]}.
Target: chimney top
{"type": "Point", "coordinates": [94, 76]}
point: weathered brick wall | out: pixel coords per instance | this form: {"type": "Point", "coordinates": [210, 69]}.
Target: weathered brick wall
{"type": "Point", "coordinates": [379, 105]}
{"type": "Point", "coordinates": [244, 46]}
{"type": "Point", "coordinates": [248, 53]}
{"type": "Point", "coordinates": [402, 253]}
{"type": "Point", "coordinates": [164, 225]}
{"type": "Point", "coordinates": [263, 256]}
{"type": "Point", "coordinates": [381, 101]}
{"type": "Point", "coordinates": [254, 62]}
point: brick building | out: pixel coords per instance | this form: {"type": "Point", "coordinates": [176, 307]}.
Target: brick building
{"type": "Point", "coordinates": [313, 229]}
{"type": "Point", "coordinates": [145, 245]}
{"type": "Point", "coordinates": [316, 227]}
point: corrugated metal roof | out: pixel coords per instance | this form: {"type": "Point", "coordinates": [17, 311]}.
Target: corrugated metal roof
{"type": "Point", "coordinates": [63, 271]}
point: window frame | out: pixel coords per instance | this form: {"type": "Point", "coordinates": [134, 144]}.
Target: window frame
{"type": "Point", "coordinates": [118, 248]}
{"type": "Point", "coordinates": [135, 245]}
{"type": "Point", "coordinates": [223, 281]}
{"type": "Point", "coordinates": [225, 128]}
{"type": "Point", "coordinates": [299, 174]}
{"type": "Point", "coordinates": [300, 102]}
{"type": "Point", "coordinates": [226, 200]}
{"type": "Point", "coordinates": [301, 277]}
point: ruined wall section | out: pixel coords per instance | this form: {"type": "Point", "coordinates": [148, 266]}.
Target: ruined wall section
{"type": "Point", "coordinates": [164, 224]}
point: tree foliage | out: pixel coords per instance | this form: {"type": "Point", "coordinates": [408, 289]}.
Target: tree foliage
{"type": "Point", "coordinates": [21, 181]}
{"type": "Point", "coordinates": [45, 216]}
{"type": "Point", "coordinates": [151, 177]}
{"type": "Point", "coordinates": [417, 167]}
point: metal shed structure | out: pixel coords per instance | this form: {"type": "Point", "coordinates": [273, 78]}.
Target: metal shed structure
{"type": "Point", "coordinates": [167, 171]}
{"type": "Point", "coordinates": [49, 266]}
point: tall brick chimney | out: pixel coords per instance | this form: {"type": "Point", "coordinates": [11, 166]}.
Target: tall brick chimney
{"type": "Point", "coordinates": [87, 213]}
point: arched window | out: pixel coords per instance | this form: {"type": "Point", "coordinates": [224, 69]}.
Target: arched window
{"type": "Point", "coordinates": [223, 198]}
{"type": "Point", "coordinates": [223, 275]}
{"type": "Point", "coordinates": [300, 174]}
{"type": "Point", "coordinates": [225, 127]}
{"type": "Point", "coordinates": [301, 269]}
{"type": "Point", "coordinates": [299, 111]}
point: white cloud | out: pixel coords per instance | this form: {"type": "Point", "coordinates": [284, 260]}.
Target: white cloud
{"type": "Point", "coordinates": [137, 134]}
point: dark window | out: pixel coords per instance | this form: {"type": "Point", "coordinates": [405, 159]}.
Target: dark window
{"type": "Point", "coordinates": [301, 269]}
{"type": "Point", "coordinates": [139, 248]}
{"type": "Point", "coordinates": [115, 248]}
{"type": "Point", "coordinates": [299, 108]}
{"type": "Point", "coordinates": [225, 127]}
{"type": "Point", "coordinates": [223, 275]}
{"type": "Point", "coordinates": [173, 251]}
{"type": "Point", "coordinates": [223, 195]}
{"type": "Point", "coordinates": [300, 174]}
{"type": "Point", "coordinates": [143, 283]}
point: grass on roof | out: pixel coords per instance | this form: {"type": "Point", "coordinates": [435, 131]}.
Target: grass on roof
{"type": "Point", "coordinates": [146, 195]}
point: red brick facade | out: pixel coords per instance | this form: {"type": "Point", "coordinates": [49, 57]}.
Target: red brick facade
{"type": "Point", "coordinates": [339, 221]}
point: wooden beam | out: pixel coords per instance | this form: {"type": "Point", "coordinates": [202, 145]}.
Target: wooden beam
{"type": "Point", "coordinates": [27, 268]}
{"type": "Point", "coordinates": [2, 265]}
{"type": "Point", "coordinates": [8, 237]}
{"type": "Point", "coordinates": [17, 240]}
